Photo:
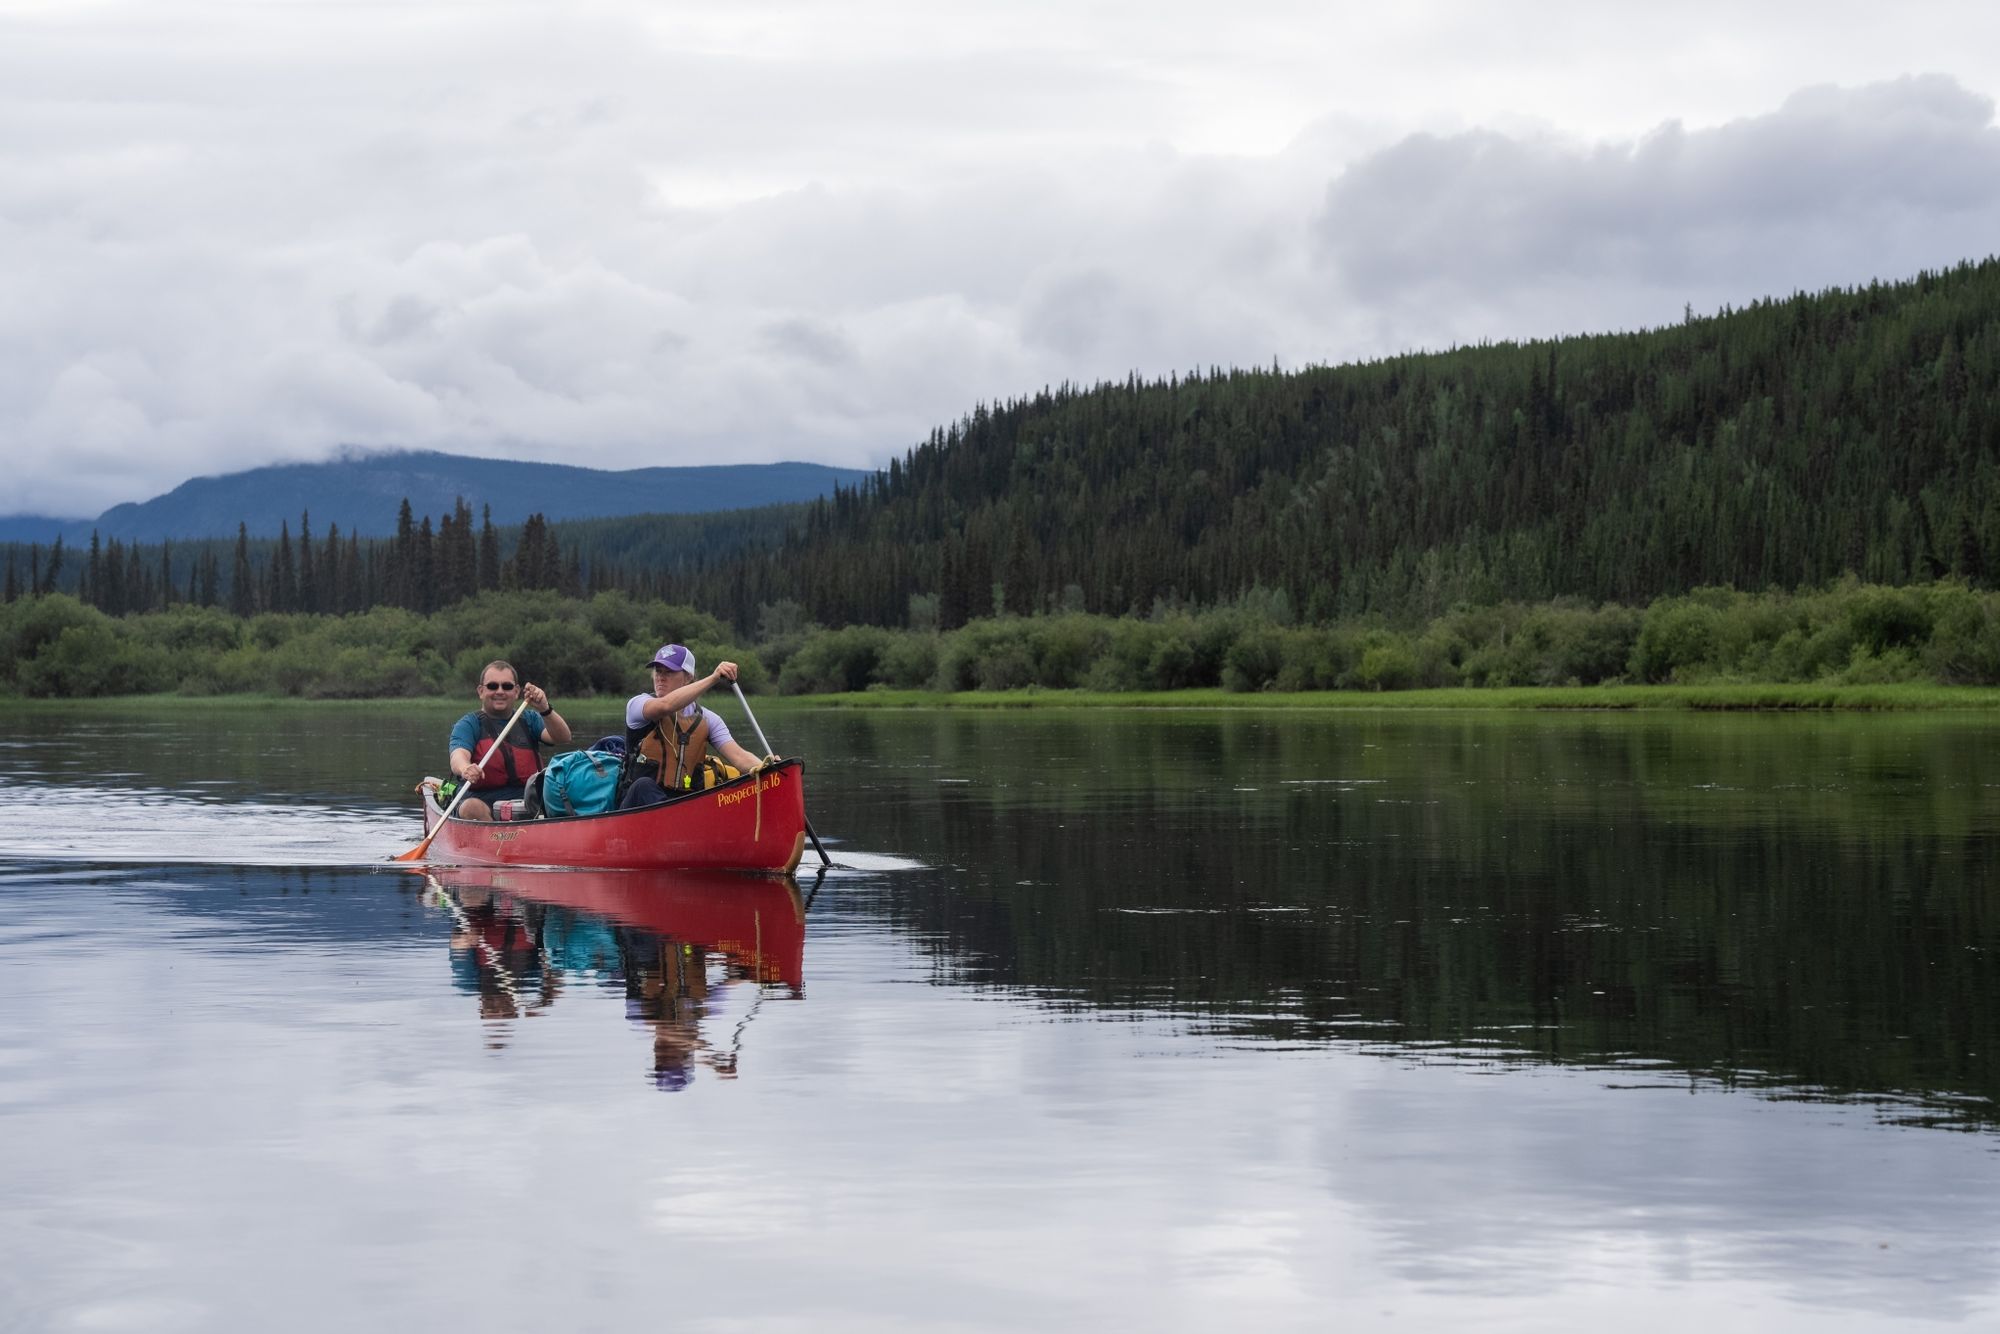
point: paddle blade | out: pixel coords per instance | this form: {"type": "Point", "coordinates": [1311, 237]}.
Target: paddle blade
{"type": "Point", "coordinates": [415, 854]}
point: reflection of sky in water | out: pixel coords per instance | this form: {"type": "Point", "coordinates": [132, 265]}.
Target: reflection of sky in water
{"type": "Point", "coordinates": [259, 1099]}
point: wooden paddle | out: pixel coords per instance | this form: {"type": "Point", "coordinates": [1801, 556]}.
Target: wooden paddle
{"type": "Point", "coordinates": [416, 854]}
{"type": "Point", "coordinates": [765, 742]}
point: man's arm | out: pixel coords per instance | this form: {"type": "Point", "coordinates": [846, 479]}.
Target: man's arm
{"type": "Point", "coordinates": [462, 737]}
{"type": "Point", "coordinates": [555, 730]}
{"type": "Point", "coordinates": [462, 766]}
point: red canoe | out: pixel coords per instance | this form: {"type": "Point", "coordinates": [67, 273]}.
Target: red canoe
{"type": "Point", "coordinates": [753, 823]}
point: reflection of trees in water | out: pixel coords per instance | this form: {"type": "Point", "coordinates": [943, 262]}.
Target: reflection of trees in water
{"type": "Point", "coordinates": [1800, 904]}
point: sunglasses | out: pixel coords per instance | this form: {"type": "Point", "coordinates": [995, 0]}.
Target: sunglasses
{"type": "Point", "coordinates": [497, 686]}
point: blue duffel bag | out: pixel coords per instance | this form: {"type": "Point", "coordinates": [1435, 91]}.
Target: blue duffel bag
{"type": "Point", "coordinates": [579, 782]}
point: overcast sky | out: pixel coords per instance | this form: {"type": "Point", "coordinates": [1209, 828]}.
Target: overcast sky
{"type": "Point", "coordinates": [627, 234]}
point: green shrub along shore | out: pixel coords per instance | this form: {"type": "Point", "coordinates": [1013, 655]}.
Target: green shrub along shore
{"type": "Point", "coordinates": [1848, 645]}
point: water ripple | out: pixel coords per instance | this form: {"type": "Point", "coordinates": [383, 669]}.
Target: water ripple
{"type": "Point", "coordinates": [113, 825]}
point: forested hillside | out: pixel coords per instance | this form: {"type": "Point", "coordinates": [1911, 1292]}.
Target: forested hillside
{"type": "Point", "coordinates": [1778, 445]}
{"type": "Point", "coordinates": [422, 568]}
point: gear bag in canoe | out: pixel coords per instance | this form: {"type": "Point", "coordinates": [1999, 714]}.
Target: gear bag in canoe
{"type": "Point", "coordinates": [579, 782]}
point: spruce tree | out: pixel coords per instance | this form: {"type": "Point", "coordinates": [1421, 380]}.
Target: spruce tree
{"type": "Point", "coordinates": [309, 597]}
{"type": "Point", "coordinates": [242, 585]}
{"type": "Point", "coordinates": [423, 570]}
{"type": "Point", "coordinates": [361, 586]}
{"type": "Point", "coordinates": [283, 575]}
{"type": "Point", "coordinates": [489, 550]}
{"type": "Point", "coordinates": [138, 590]}
{"type": "Point", "coordinates": [328, 574]}
{"type": "Point", "coordinates": [110, 592]}
{"type": "Point", "coordinates": [90, 588]}
{"type": "Point", "coordinates": [399, 573]}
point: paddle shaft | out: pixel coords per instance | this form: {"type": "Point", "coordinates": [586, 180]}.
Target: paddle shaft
{"type": "Point", "coordinates": [765, 742]}
{"type": "Point", "coordinates": [417, 853]}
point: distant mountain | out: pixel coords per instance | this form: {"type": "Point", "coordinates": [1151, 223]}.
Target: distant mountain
{"type": "Point", "coordinates": [363, 493]}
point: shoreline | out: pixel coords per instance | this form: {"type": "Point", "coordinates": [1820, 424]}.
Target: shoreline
{"type": "Point", "coordinates": [1789, 698]}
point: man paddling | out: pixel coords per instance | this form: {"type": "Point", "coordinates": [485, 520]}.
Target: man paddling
{"type": "Point", "coordinates": [501, 773]}
{"type": "Point", "coordinates": [668, 733]}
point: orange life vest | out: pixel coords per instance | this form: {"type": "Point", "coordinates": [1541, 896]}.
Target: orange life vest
{"type": "Point", "coordinates": [679, 743]}
{"type": "Point", "coordinates": [519, 758]}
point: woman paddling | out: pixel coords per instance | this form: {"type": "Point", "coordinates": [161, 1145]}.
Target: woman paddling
{"type": "Point", "coordinates": [668, 733]}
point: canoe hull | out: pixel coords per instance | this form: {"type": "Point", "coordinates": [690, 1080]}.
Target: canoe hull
{"type": "Point", "coordinates": [753, 823]}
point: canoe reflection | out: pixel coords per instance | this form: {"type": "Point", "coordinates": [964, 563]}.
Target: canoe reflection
{"type": "Point", "coordinates": [692, 952]}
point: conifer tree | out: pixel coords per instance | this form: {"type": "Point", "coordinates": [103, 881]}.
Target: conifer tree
{"type": "Point", "coordinates": [423, 570]}
{"type": "Point", "coordinates": [110, 592]}
{"type": "Point", "coordinates": [282, 577]}
{"type": "Point", "coordinates": [331, 578]}
{"type": "Point", "coordinates": [464, 579]}
{"type": "Point", "coordinates": [399, 572]}
{"type": "Point", "coordinates": [1017, 582]}
{"type": "Point", "coordinates": [362, 585]}
{"type": "Point", "coordinates": [489, 550]}
{"type": "Point", "coordinates": [309, 598]}
{"type": "Point", "coordinates": [953, 604]}
{"type": "Point", "coordinates": [138, 590]}
{"type": "Point", "coordinates": [242, 585]}
{"type": "Point", "coordinates": [534, 565]}
{"type": "Point", "coordinates": [90, 587]}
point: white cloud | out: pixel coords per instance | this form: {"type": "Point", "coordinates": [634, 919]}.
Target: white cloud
{"type": "Point", "coordinates": [624, 234]}
{"type": "Point", "coordinates": [1488, 234]}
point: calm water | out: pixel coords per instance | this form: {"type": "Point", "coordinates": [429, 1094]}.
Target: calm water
{"type": "Point", "coordinates": [1119, 1020]}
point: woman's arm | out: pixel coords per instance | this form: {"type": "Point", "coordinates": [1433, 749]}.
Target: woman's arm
{"type": "Point", "coordinates": [742, 759]}
{"type": "Point", "coordinates": [663, 706]}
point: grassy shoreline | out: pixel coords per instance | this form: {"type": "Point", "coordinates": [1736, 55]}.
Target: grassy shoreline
{"type": "Point", "coordinates": [1701, 698]}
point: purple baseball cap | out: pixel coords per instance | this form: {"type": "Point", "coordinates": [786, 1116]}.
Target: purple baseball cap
{"type": "Point", "coordinates": [674, 658]}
